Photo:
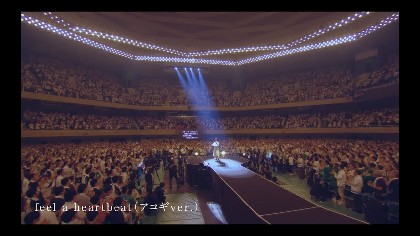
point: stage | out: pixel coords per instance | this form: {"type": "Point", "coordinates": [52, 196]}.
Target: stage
{"type": "Point", "coordinates": [247, 197]}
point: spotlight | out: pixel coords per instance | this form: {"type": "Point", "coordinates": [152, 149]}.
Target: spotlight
{"type": "Point", "coordinates": [176, 68]}
{"type": "Point", "coordinates": [223, 153]}
{"type": "Point", "coordinates": [196, 153]}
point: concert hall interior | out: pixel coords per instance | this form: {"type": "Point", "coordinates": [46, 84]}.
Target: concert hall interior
{"type": "Point", "coordinates": [209, 118]}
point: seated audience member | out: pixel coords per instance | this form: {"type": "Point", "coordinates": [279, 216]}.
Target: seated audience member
{"type": "Point", "coordinates": [69, 217]}
{"type": "Point", "coordinates": [46, 217]}
{"type": "Point", "coordinates": [32, 218]}
{"type": "Point", "coordinates": [81, 198]}
{"type": "Point", "coordinates": [58, 198]}
{"type": "Point", "coordinates": [116, 216]}
{"type": "Point", "coordinates": [92, 218]}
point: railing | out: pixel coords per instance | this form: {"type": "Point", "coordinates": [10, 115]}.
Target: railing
{"type": "Point", "coordinates": [173, 132]}
{"type": "Point", "coordinates": [70, 100]}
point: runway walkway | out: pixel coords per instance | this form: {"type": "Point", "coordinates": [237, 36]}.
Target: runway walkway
{"type": "Point", "coordinates": [271, 202]}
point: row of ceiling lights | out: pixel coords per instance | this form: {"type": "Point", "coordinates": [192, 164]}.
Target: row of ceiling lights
{"type": "Point", "coordinates": [72, 35]}
{"type": "Point", "coordinates": [137, 43]}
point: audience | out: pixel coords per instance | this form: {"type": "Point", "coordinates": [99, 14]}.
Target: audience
{"type": "Point", "coordinates": [66, 121]}
{"type": "Point", "coordinates": [106, 173]}
{"type": "Point", "coordinates": [49, 76]}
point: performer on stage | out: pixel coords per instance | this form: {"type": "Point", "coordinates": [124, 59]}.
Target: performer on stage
{"type": "Point", "coordinates": [216, 149]}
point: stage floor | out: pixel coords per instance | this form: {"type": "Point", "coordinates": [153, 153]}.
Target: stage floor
{"type": "Point", "coordinates": [271, 202]}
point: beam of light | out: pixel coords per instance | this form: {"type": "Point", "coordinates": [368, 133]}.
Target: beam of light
{"type": "Point", "coordinates": [204, 98]}
{"type": "Point", "coordinates": [191, 90]}
{"type": "Point", "coordinates": [189, 79]}
{"type": "Point", "coordinates": [195, 81]}
{"type": "Point", "coordinates": [197, 85]}
{"type": "Point", "coordinates": [197, 94]}
{"type": "Point", "coordinates": [201, 80]}
{"type": "Point", "coordinates": [181, 80]}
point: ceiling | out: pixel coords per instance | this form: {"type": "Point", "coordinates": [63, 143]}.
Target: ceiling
{"type": "Point", "coordinates": [199, 31]}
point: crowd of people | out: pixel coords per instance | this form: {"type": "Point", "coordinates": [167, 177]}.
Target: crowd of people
{"type": "Point", "coordinates": [388, 74]}
{"type": "Point", "coordinates": [66, 121]}
{"type": "Point", "coordinates": [362, 166]}
{"type": "Point", "coordinates": [297, 87]}
{"type": "Point", "coordinates": [90, 175]}
{"type": "Point", "coordinates": [54, 77]}
{"type": "Point", "coordinates": [94, 174]}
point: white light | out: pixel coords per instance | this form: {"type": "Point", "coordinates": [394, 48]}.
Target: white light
{"type": "Point", "coordinates": [187, 59]}
{"type": "Point", "coordinates": [196, 153]}
{"type": "Point", "coordinates": [224, 51]}
{"type": "Point", "coordinates": [223, 153]}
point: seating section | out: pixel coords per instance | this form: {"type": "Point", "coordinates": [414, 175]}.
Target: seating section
{"type": "Point", "coordinates": [362, 175]}
{"type": "Point", "coordinates": [76, 121]}
{"type": "Point", "coordinates": [59, 169]}
{"type": "Point", "coordinates": [48, 76]}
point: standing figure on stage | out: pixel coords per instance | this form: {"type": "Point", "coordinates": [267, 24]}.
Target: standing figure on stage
{"type": "Point", "coordinates": [216, 149]}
